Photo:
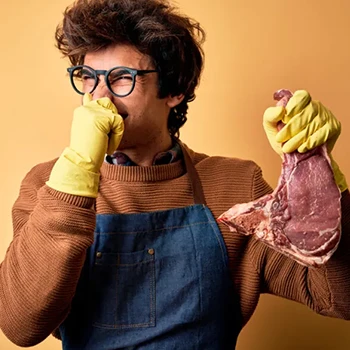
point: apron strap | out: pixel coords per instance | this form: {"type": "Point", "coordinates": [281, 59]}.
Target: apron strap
{"type": "Point", "coordinates": [196, 185]}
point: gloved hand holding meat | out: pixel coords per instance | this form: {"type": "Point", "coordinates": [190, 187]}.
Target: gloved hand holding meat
{"type": "Point", "coordinates": [302, 217]}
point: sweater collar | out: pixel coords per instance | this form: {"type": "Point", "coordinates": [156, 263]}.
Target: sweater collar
{"type": "Point", "coordinates": [162, 158]}
{"type": "Point", "coordinates": [145, 173]}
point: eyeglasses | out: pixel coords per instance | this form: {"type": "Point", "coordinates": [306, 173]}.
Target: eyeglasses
{"type": "Point", "coordinates": [119, 80]}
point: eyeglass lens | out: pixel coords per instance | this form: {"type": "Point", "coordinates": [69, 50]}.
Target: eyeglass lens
{"type": "Point", "coordinates": [120, 80]}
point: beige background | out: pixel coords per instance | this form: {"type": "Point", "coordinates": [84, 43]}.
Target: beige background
{"type": "Point", "coordinates": [253, 48]}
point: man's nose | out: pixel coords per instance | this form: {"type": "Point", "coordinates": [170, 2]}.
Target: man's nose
{"type": "Point", "coordinates": [101, 91]}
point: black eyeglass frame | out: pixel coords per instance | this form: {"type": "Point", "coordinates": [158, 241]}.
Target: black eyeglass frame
{"type": "Point", "coordinates": [133, 72]}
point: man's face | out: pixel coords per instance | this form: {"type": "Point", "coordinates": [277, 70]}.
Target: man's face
{"type": "Point", "coordinates": [145, 114]}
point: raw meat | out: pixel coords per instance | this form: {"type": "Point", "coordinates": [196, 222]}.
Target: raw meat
{"type": "Point", "coordinates": [302, 217]}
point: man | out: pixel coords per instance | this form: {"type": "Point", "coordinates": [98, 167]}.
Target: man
{"type": "Point", "coordinates": [123, 251]}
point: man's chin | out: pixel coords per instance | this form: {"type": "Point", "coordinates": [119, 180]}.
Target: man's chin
{"type": "Point", "coordinates": [126, 143]}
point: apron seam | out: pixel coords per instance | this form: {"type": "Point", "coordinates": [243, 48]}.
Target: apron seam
{"type": "Point", "coordinates": [157, 230]}
{"type": "Point", "coordinates": [218, 236]}
{"type": "Point", "coordinates": [199, 287]}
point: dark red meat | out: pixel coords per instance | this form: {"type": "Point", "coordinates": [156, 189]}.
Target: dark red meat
{"type": "Point", "coordinates": [301, 218]}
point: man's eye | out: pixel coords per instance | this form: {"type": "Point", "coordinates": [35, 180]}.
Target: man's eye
{"type": "Point", "coordinates": [87, 77]}
{"type": "Point", "coordinates": [116, 78]}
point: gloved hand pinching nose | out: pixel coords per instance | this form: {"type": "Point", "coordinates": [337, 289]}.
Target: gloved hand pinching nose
{"type": "Point", "coordinates": [97, 129]}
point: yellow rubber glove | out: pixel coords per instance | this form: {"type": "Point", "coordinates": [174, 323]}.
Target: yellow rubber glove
{"type": "Point", "coordinates": [308, 124]}
{"type": "Point", "coordinates": [97, 129]}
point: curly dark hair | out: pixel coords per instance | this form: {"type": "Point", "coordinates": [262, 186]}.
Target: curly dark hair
{"type": "Point", "coordinates": [155, 27]}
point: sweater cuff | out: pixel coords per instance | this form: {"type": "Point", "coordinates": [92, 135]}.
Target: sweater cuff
{"type": "Point", "coordinates": [78, 201]}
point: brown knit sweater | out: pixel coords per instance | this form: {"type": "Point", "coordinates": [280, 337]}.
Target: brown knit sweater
{"type": "Point", "coordinates": [53, 230]}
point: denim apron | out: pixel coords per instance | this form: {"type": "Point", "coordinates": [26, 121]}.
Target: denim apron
{"type": "Point", "coordinates": [155, 281]}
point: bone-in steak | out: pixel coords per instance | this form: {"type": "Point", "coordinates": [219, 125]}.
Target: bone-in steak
{"type": "Point", "coordinates": [302, 217]}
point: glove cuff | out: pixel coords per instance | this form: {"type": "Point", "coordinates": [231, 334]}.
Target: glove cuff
{"type": "Point", "coordinates": [338, 176]}
{"type": "Point", "coordinates": [69, 176]}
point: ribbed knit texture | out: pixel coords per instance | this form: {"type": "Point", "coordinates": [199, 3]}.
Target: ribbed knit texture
{"type": "Point", "coordinates": [52, 231]}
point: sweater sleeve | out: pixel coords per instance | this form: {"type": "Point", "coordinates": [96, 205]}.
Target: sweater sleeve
{"type": "Point", "coordinates": [326, 289]}
{"type": "Point", "coordinates": [42, 265]}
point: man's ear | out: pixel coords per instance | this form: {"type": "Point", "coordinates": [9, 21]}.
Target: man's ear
{"type": "Point", "coordinates": [173, 101]}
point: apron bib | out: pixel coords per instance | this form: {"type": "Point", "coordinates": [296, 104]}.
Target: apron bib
{"type": "Point", "coordinates": [155, 281]}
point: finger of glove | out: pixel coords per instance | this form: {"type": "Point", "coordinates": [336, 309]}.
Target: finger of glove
{"type": "Point", "coordinates": [331, 142]}
{"type": "Point", "coordinates": [89, 134]}
{"type": "Point", "coordinates": [272, 116]}
{"type": "Point", "coordinates": [277, 147]}
{"type": "Point", "coordinates": [87, 98]}
{"type": "Point", "coordinates": [87, 126]}
{"type": "Point", "coordinates": [334, 130]}
{"type": "Point", "coordinates": [325, 128]}
{"type": "Point", "coordinates": [115, 135]}
{"type": "Point", "coordinates": [94, 119]}
{"type": "Point", "coordinates": [299, 100]}
{"type": "Point", "coordinates": [299, 122]}
{"type": "Point", "coordinates": [305, 140]}
{"type": "Point", "coordinates": [302, 136]}
{"type": "Point", "coordinates": [316, 139]}
{"type": "Point", "coordinates": [105, 102]}
{"type": "Point", "coordinates": [271, 136]}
